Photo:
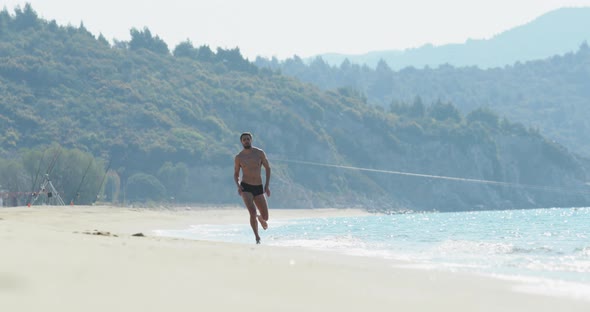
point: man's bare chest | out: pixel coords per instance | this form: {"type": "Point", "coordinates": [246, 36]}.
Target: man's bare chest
{"type": "Point", "coordinates": [250, 161]}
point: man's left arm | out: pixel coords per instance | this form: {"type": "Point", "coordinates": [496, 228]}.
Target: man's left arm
{"type": "Point", "coordinates": [266, 166]}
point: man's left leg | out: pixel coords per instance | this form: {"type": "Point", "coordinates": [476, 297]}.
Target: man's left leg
{"type": "Point", "coordinates": [262, 206]}
{"type": "Point", "coordinates": [249, 202]}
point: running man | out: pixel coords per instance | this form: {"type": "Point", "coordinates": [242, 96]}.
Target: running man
{"type": "Point", "coordinates": [250, 160]}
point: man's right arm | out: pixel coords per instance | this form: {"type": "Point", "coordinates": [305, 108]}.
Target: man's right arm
{"type": "Point", "coordinates": [237, 171]}
{"type": "Point", "coordinates": [237, 175]}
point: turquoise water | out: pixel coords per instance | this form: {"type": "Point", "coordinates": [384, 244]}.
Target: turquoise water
{"type": "Point", "coordinates": [538, 244]}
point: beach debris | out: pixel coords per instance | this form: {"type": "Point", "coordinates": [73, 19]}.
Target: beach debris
{"type": "Point", "coordinates": [100, 233]}
{"type": "Point", "coordinates": [138, 235]}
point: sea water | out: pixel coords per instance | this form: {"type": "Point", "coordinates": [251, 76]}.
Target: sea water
{"type": "Point", "coordinates": [547, 249]}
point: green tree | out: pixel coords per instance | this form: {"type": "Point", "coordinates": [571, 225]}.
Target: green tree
{"type": "Point", "coordinates": [34, 163]}
{"type": "Point", "coordinates": [206, 54]}
{"type": "Point", "coordinates": [417, 110]}
{"type": "Point", "coordinates": [103, 40]}
{"type": "Point", "coordinates": [444, 111]}
{"type": "Point", "coordinates": [143, 39]}
{"type": "Point", "coordinates": [186, 49]}
{"type": "Point", "coordinates": [174, 178]}
{"type": "Point", "coordinates": [233, 59]}
{"type": "Point", "coordinates": [12, 181]}
{"type": "Point", "coordinates": [111, 188]}
{"type": "Point", "coordinates": [383, 80]}
{"type": "Point", "coordinates": [142, 187]}
{"type": "Point", "coordinates": [5, 20]}
{"type": "Point", "coordinates": [75, 174]}
{"type": "Point", "coordinates": [26, 18]}
{"type": "Point", "coordinates": [485, 116]}
{"type": "Point", "coordinates": [12, 178]}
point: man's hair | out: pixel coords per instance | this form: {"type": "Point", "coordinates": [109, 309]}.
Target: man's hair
{"type": "Point", "coordinates": [244, 134]}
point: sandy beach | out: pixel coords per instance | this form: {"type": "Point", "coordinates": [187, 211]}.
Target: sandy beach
{"type": "Point", "coordinates": [50, 260]}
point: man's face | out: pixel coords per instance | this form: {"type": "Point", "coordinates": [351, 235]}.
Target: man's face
{"type": "Point", "coordinates": [247, 141]}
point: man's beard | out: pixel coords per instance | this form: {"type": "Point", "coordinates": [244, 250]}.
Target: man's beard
{"type": "Point", "coordinates": [249, 146]}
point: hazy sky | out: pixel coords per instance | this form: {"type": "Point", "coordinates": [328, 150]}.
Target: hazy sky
{"type": "Point", "coordinates": [283, 28]}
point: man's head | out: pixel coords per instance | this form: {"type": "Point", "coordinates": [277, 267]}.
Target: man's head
{"type": "Point", "coordinates": [246, 139]}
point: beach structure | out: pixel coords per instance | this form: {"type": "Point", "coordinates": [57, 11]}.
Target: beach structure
{"type": "Point", "coordinates": [48, 191]}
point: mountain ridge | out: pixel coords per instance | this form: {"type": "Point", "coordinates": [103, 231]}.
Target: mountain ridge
{"type": "Point", "coordinates": [554, 33]}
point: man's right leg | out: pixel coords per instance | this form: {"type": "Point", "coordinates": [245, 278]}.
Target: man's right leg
{"type": "Point", "coordinates": [249, 202]}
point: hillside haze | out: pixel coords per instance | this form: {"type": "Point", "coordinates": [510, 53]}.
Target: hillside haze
{"type": "Point", "coordinates": [169, 124]}
{"type": "Point", "coordinates": [551, 95]}
{"type": "Point", "coordinates": [553, 33]}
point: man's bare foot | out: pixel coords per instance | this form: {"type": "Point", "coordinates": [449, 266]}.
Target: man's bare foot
{"type": "Point", "coordinates": [258, 241]}
{"type": "Point", "coordinates": [262, 222]}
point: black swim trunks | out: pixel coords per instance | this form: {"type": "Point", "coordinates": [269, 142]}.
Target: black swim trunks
{"type": "Point", "coordinates": [254, 189]}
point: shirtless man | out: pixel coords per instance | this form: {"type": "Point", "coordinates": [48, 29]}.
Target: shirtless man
{"type": "Point", "coordinates": [250, 160]}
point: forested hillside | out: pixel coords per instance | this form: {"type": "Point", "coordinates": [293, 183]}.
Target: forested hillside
{"type": "Point", "coordinates": [552, 95]}
{"type": "Point", "coordinates": [164, 126]}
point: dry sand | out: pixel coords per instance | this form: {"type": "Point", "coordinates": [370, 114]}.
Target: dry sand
{"type": "Point", "coordinates": [48, 263]}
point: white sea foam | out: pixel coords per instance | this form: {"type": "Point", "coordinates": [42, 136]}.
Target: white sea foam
{"type": "Point", "coordinates": [567, 264]}
{"type": "Point", "coordinates": [472, 247]}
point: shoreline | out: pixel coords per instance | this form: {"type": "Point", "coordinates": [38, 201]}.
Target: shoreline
{"type": "Point", "coordinates": [529, 284]}
{"type": "Point", "coordinates": [48, 256]}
